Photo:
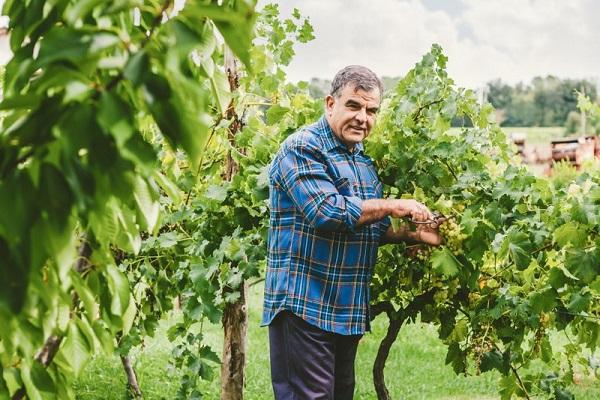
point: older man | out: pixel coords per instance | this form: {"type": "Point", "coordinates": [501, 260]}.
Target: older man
{"type": "Point", "coordinates": [327, 221]}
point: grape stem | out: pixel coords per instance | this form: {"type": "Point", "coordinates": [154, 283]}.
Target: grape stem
{"type": "Point", "coordinates": [417, 113]}
{"type": "Point", "coordinates": [514, 371]}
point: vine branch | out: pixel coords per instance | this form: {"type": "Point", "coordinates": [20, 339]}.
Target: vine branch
{"type": "Point", "coordinates": [417, 113]}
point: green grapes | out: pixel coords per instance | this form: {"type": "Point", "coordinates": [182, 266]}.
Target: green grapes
{"type": "Point", "coordinates": [481, 343]}
{"type": "Point", "coordinates": [423, 253]}
{"type": "Point", "coordinates": [453, 236]}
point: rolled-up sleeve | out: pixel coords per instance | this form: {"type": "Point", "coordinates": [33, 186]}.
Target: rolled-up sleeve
{"type": "Point", "coordinates": [301, 172]}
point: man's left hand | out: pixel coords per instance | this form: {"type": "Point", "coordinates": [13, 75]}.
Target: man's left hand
{"type": "Point", "coordinates": [430, 233]}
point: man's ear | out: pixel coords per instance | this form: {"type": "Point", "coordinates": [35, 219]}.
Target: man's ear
{"type": "Point", "coordinates": [329, 102]}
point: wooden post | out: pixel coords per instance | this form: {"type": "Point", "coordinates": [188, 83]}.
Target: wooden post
{"type": "Point", "coordinates": [235, 315]}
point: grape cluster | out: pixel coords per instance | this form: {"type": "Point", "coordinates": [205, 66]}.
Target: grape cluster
{"type": "Point", "coordinates": [480, 345]}
{"type": "Point", "coordinates": [450, 230]}
{"type": "Point", "coordinates": [423, 253]}
{"type": "Point", "coordinates": [540, 333]}
{"type": "Point", "coordinates": [445, 290]}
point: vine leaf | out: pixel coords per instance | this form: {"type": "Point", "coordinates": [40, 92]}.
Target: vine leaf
{"type": "Point", "coordinates": [444, 262]}
{"type": "Point", "coordinates": [570, 233]}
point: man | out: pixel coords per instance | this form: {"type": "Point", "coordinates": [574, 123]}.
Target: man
{"type": "Point", "coordinates": [327, 221]}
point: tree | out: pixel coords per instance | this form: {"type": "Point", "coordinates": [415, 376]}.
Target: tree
{"type": "Point", "coordinates": [77, 170]}
{"type": "Point", "coordinates": [547, 101]}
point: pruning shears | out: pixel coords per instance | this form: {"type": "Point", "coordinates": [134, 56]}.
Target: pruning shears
{"type": "Point", "coordinates": [436, 219]}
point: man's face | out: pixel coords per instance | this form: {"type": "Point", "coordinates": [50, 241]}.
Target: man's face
{"type": "Point", "coordinates": [352, 115]}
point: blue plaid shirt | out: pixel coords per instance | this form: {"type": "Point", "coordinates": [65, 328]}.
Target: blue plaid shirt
{"type": "Point", "coordinates": [319, 263]}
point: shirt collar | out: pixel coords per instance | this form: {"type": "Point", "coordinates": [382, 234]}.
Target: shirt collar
{"type": "Point", "coordinates": [331, 141]}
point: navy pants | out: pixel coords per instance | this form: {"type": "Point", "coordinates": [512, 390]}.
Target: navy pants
{"type": "Point", "coordinates": [308, 363]}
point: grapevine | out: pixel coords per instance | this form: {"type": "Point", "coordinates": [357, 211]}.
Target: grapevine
{"type": "Point", "coordinates": [519, 250]}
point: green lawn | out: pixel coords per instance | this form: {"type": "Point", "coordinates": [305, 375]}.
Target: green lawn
{"type": "Point", "coordinates": [415, 369]}
{"type": "Point", "coordinates": [537, 135]}
{"type": "Point", "coordinates": [534, 135]}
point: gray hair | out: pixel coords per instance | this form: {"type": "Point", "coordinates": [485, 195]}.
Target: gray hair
{"type": "Point", "coordinates": [361, 77]}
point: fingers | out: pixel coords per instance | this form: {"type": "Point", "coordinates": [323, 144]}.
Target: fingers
{"type": "Point", "coordinates": [416, 211]}
{"type": "Point", "coordinates": [420, 212]}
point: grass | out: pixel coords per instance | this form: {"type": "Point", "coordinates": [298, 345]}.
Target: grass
{"type": "Point", "coordinates": [534, 135]}
{"type": "Point", "coordinates": [415, 369]}
{"type": "Point", "coordinates": [537, 135]}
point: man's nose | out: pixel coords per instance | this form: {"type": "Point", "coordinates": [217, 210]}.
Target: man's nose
{"type": "Point", "coordinates": [361, 115]}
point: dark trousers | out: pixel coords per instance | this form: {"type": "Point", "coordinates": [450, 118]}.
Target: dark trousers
{"type": "Point", "coordinates": [308, 363]}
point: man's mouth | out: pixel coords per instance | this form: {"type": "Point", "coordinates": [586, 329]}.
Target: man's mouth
{"type": "Point", "coordinates": [358, 128]}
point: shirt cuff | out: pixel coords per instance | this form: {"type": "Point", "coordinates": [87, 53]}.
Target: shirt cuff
{"type": "Point", "coordinates": [354, 209]}
{"type": "Point", "coordinates": [384, 225]}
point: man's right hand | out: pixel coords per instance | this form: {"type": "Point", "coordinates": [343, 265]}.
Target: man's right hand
{"type": "Point", "coordinates": [401, 208]}
{"type": "Point", "coordinates": [377, 209]}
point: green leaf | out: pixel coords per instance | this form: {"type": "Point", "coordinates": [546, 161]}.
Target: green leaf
{"type": "Point", "coordinates": [75, 348]}
{"type": "Point", "coordinates": [25, 101]}
{"type": "Point", "coordinates": [546, 350]}
{"type": "Point", "coordinates": [4, 393]}
{"type": "Point", "coordinates": [444, 263]}
{"type": "Point", "coordinates": [86, 295]}
{"type": "Point", "coordinates": [235, 22]}
{"type": "Point", "coordinates": [584, 265]}
{"type": "Point", "coordinates": [147, 202]}
{"type": "Point", "coordinates": [492, 360]}
{"type": "Point", "coordinates": [79, 10]}
{"type": "Point", "coordinates": [140, 152]}
{"type": "Point", "coordinates": [305, 34]}
{"type": "Point", "coordinates": [216, 192]}
{"type": "Point", "coordinates": [34, 129]}
{"type": "Point", "coordinates": [508, 386]}
{"type": "Point", "coordinates": [167, 240]}
{"type": "Point", "coordinates": [129, 235]}
{"type": "Point", "coordinates": [114, 115]}
{"type": "Point", "coordinates": [14, 275]}
{"type": "Point", "coordinates": [275, 113]}
{"type": "Point", "coordinates": [181, 119]}
{"type": "Point", "coordinates": [543, 301]}
{"type": "Point", "coordinates": [220, 89]}
{"type": "Point", "coordinates": [456, 357]}
{"type": "Point", "coordinates": [570, 233]}
{"type": "Point", "coordinates": [129, 315]}
{"type": "Point", "coordinates": [88, 332]}
{"type": "Point", "coordinates": [579, 301]}
{"type": "Point", "coordinates": [207, 354]}
{"type": "Point", "coordinates": [563, 394]}
{"type": "Point", "coordinates": [119, 289]}
{"type": "Point", "coordinates": [104, 337]}
{"type": "Point", "coordinates": [74, 45]}
{"type": "Point", "coordinates": [518, 247]}
{"type": "Point", "coordinates": [460, 331]}
{"type": "Point", "coordinates": [137, 68]}
{"type": "Point", "coordinates": [38, 382]}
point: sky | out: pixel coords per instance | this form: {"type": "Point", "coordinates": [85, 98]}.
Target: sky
{"type": "Point", "coordinates": [512, 40]}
